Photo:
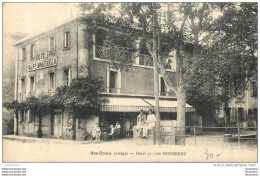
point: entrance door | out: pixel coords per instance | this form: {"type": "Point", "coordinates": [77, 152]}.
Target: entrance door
{"type": "Point", "coordinates": [57, 124]}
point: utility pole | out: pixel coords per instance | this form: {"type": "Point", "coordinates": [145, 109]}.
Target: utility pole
{"type": "Point", "coordinates": [156, 86]}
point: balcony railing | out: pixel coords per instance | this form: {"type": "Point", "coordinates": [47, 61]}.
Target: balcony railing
{"type": "Point", "coordinates": [113, 90]}
{"type": "Point", "coordinates": [145, 60]}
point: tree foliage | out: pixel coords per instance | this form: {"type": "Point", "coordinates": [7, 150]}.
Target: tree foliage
{"type": "Point", "coordinates": [224, 36]}
{"type": "Point", "coordinates": [82, 94]}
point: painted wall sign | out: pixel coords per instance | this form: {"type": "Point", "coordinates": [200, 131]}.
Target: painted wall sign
{"type": "Point", "coordinates": [41, 64]}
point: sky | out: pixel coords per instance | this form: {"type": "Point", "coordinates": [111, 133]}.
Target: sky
{"type": "Point", "coordinates": [32, 18]}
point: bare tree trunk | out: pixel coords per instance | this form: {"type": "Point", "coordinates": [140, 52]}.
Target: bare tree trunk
{"type": "Point", "coordinates": [181, 97]}
{"type": "Point", "coordinates": [156, 86]}
{"type": "Point", "coordinates": [16, 118]}
{"type": "Point", "coordinates": [74, 125]}
{"type": "Point", "coordinates": [39, 132]}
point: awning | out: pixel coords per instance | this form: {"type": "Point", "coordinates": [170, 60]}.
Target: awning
{"type": "Point", "coordinates": [133, 104]}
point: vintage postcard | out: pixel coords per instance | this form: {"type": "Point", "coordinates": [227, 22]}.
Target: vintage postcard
{"type": "Point", "coordinates": [130, 82]}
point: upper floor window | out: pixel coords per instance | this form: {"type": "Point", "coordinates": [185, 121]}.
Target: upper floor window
{"type": "Point", "coordinates": [67, 77]}
{"type": "Point", "coordinates": [170, 62]}
{"type": "Point", "coordinates": [43, 56]}
{"type": "Point", "coordinates": [23, 54]}
{"type": "Point", "coordinates": [113, 81]}
{"type": "Point", "coordinates": [254, 89]}
{"type": "Point", "coordinates": [23, 87]}
{"type": "Point", "coordinates": [32, 51]}
{"type": "Point", "coordinates": [32, 84]}
{"type": "Point", "coordinates": [52, 45]}
{"type": "Point", "coordinates": [66, 40]}
{"type": "Point", "coordinates": [52, 81]}
{"type": "Point", "coordinates": [100, 37]}
{"type": "Point", "coordinates": [143, 57]}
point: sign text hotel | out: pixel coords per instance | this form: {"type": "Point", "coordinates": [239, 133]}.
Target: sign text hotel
{"type": "Point", "coordinates": [45, 63]}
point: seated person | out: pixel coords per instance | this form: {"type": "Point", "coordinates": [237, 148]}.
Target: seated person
{"type": "Point", "coordinates": [117, 128]}
{"type": "Point", "coordinates": [141, 118]}
{"type": "Point", "coordinates": [69, 126]}
{"type": "Point", "coordinates": [112, 130]}
{"type": "Point", "coordinates": [150, 123]}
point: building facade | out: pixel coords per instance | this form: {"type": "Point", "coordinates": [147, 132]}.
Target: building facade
{"type": "Point", "coordinates": [53, 58]}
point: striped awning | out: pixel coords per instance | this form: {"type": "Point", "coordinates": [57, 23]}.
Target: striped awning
{"type": "Point", "coordinates": [133, 104]}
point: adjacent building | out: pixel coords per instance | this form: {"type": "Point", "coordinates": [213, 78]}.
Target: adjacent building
{"type": "Point", "coordinates": [53, 58]}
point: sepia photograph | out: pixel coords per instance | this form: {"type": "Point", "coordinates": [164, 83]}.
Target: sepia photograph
{"type": "Point", "coordinates": [129, 82]}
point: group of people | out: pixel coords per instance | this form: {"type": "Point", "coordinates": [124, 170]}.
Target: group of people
{"type": "Point", "coordinates": [143, 124]}
{"type": "Point", "coordinates": [104, 131]}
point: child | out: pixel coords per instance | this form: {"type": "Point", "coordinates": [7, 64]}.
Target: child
{"type": "Point", "coordinates": [98, 132]}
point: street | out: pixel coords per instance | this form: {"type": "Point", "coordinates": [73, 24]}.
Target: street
{"type": "Point", "coordinates": [207, 149]}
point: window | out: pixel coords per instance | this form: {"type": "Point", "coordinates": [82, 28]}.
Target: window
{"type": "Point", "coordinates": [32, 84]}
{"type": "Point", "coordinates": [57, 118]}
{"type": "Point", "coordinates": [254, 89]}
{"type": "Point", "coordinates": [143, 57]}
{"type": "Point", "coordinates": [67, 77]}
{"type": "Point", "coordinates": [43, 56]}
{"type": "Point", "coordinates": [66, 40]}
{"type": "Point", "coordinates": [100, 37]}
{"type": "Point", "coordinates": [162, 87]}
{"type": "Point", "coordinates": [23, 54]}
{"type": "Point", "coordinates": [52, 81]}
{"type": "Point", "coordinates": [113, 81]}
{"type": "Point", "coordinates": [171, 61]}
{"type": "Point", "coordinates": [32, 51]}
{"type": "Point", "coordinates": [23, 87]}
{"type": "Point", "coordinates": [52, 44]}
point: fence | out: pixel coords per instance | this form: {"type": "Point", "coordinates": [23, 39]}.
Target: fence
{"type": "Point", "coordinates": [229, 134]}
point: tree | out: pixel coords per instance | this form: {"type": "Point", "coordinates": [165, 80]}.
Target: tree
{"type": "Point", "coordinates": [39, 105]}
{"type": "Point", "coordinates": [141, 20]}
{"type": "Point", "coordinates": [81, 96]}
{"type": "Point", "coordinates": [16, 106]}
{"type": "Point", "coordinates": [227, 58]}
{"type": "Point", "coordinates": [169, 30]}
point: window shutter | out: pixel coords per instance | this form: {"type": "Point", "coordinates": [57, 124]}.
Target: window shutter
{"type": "Point", "coordinates": [34, 84]}
{"type": "Point", "coordinates": [64, 40]}
{"type": "Point", "coordinates": [69, 40]}
{"type": "Point", "coordinates": [21, 54]}
{"type": "Point", "coordinates": [70, 76]}
{"type": "Point", "coordinates": [54, 43]}
{"type": "Point", "coordinates": [49, 44]}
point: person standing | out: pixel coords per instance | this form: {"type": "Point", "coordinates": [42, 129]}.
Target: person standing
{"type": "Point", "coordinates": [150, 123]}
{"type": "Point", "coordinates": [141, 119]}
{"type": "Point", "coordinates": [127, 128]}
{"type": "Point", "coordinates": [98, 132]}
